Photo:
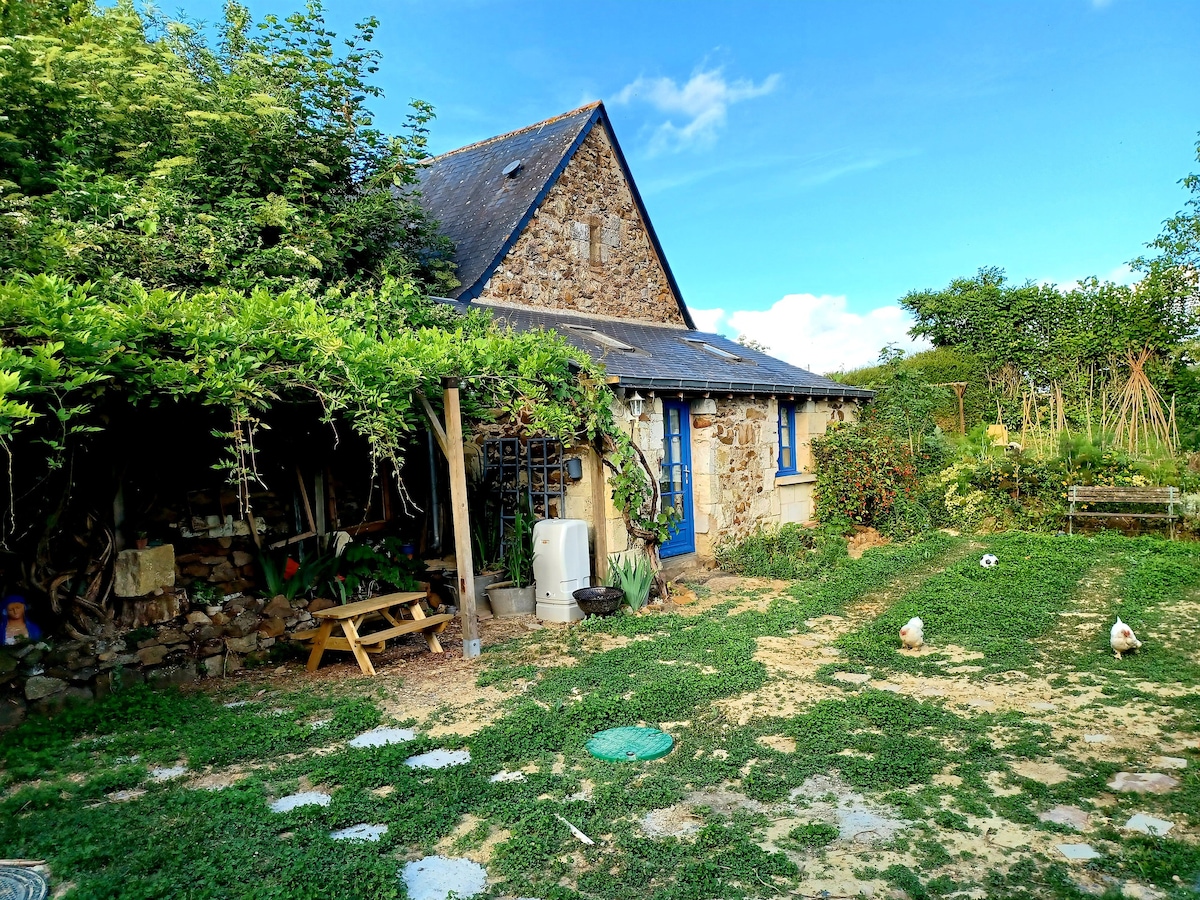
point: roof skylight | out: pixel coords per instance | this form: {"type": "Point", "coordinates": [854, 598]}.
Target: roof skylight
{"type": "Point", "coordinates": [601, 338]}
{"type": "Point", "coordinates": [719, 352]}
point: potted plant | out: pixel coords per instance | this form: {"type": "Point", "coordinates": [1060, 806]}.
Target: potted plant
{"type": "Point", "coordinates": [633, 574]}
{"type": "Point", "coordinates": [514, 597]}
{"type": "Point", "coordinates": [483, 500]}
{"type": "Point", "coordinates": [142, 541]}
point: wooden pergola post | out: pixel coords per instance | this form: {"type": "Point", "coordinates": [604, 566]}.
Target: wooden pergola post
{"type": "Point", "coordinates": [599, 516]}
{"type": "Point", "coordinates": [451, 441]}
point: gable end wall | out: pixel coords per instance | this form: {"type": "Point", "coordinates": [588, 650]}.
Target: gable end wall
{"type": "Point", "coordinates": [550, 264]}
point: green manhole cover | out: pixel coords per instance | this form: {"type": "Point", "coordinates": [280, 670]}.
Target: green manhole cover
{"type": "Point", "coordinates": [630, 744]}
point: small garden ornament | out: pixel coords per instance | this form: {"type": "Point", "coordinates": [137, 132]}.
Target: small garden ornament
{"type": "Point", "coordinates": [14, 626]}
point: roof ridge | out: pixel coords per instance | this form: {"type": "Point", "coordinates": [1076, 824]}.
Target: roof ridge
{"type": "Point", "coordinates": [508, 134]}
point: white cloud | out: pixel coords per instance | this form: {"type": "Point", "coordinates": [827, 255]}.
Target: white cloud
{"type": "Point", "coordinates": [707, 319]}
{"type": "Point", "coordinates": [818, 333]}
{"type": "Point", "coordinates": [702, 101]}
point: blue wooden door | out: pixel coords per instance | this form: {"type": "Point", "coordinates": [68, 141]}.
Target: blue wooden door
{"type": "Point", "coordinates": [675, 482]}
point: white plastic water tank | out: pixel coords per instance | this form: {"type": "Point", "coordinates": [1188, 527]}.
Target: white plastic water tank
{"type": "Point", "coordinates": [560, 567]}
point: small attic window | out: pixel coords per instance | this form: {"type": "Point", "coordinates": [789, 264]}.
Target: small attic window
{"type": "Point", "coordinates": [716, 351]}
{"type": "Point", "coordinates": [600, 338]}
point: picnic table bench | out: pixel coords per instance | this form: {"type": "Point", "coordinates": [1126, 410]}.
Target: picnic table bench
{"type": "Point", "coordinates": [1137, 496]}
{"type": "Point", "coordinates": [390, 608]}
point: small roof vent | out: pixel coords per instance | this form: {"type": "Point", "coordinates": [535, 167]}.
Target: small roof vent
{"type": "Point", "coordinates": [511, 170]}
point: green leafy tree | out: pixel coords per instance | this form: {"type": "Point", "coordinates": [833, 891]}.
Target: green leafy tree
{"type": "Point", "coordinates": [134, 146]}
{"type": "Point", "coordinates": [905, 401]}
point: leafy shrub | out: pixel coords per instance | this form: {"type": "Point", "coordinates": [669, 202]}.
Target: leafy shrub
{"type": "Point", "coordinates": [862, 471]}
{"type": "Point", "coordinates": [790, 551]}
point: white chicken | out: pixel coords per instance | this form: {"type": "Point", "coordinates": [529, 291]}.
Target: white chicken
{"type": "Point", "coordinates": [912, 635]}
{"type": "Point", "coordinates": [1122, 638]}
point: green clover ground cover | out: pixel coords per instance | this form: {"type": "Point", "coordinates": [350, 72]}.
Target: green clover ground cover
{"type": "Point", "coordinates": [176, 841]}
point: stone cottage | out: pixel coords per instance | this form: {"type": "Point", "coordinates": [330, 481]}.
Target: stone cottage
{"type": "Point", "coordinates": [551, 232]}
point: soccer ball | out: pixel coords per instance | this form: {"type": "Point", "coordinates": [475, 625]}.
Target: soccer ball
{"type": "Point", "coordinates": [989, 561]}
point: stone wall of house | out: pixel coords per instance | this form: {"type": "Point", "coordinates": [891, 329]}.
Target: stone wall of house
{"type": "Point", "coordinates": [735, 459]}
{"type": "Point", "coordinates": [551, 265]}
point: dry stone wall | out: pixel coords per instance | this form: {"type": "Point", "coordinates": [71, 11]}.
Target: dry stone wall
{"type": "Point", "coordinates": [196, 642]}
{"type": "Point", "coordinates": [553, 264]}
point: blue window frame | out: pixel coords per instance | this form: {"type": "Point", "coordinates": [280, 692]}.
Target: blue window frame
{"type": "Point", "coordinates": [787, 439]}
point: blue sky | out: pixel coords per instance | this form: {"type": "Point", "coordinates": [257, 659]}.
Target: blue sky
{"type": "Point", "coordinates": [806, 164]}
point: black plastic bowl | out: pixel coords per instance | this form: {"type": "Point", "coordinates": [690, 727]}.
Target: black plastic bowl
{"type": "Point", "coordinates": [599, 601]}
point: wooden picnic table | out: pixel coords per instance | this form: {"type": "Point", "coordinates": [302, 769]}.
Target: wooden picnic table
{"type": "Point", "coordinates": [389, 607]}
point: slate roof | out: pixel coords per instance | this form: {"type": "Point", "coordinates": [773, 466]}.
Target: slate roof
{"type": "Point", "coordinates": [671, 358]}
{"type": "Point", "coordinates": [483, 211]}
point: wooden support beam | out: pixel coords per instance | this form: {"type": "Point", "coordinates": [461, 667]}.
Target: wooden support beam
{"type": "Point", "coordinates": [599, 517]}
{"type": "Point", "coordinates": [439, 434]}
{"type": "Point", "coordinates": [462, 525]}
{"type": "Point", "coordinates": [305, 505]}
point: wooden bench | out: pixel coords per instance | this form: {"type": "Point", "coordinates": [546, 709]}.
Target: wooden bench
{"type": "Point", "coordinates": [389, 607]}
{"type": "Point", "coordinates": [1135, 496]}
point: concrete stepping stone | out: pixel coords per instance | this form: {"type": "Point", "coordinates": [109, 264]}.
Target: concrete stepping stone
{"type": "Point", "coordinates": [379, 737]}
{"type": "Point", "coordinates": [1148, 824]}
{"type": "Point", "coordinates": [504, 776]}
{"type": "Point", "coordinates": [304, 798]}
{"type": "Point", "coordinates": [1043, 706]}
{"type": "Point", "coordinates": [238, 704]}
{"type": "Point", "coordinates": [851, 677]}
{"type": "Point", "coordinates": [1070, 816]}
{"type": "Point", "coordinates": [1096, 738]}
{"type": "Point", "coordinates": [362, 832]}
{"type": "Point", "coordinates": [167, 773]}
{"type": "Point", "coordinates": [1078, 851]}
{"type": "Point", "coordinates": [1144, 782]}
{"type": "Point", "coordinates": [438, 759]}
{"type": "Point", "coordinates": [1169, 762]}
{"type": "Point", "coordinates": [440, 877]}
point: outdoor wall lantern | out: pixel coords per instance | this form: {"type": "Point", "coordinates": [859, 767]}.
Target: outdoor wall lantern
{"type": "Point", "coordinates": [636, 404]}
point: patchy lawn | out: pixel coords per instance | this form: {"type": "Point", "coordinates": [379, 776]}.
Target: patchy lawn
{"type": "Point", "coordinates": [811, 754]}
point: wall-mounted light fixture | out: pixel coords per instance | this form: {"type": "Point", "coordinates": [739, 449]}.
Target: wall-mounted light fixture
{"type": "Point", "coordinates": [636, 404]}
